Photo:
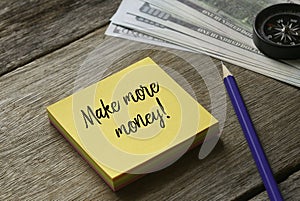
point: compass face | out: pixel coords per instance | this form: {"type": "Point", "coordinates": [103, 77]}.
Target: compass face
{"type": "Point", "coordinates": [283, 29]}
{"type": "Point", "coordinates": [276, 31]}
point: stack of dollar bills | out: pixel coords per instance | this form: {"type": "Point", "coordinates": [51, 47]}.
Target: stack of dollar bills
{"type": "Point", "coordinates": [219, 28]}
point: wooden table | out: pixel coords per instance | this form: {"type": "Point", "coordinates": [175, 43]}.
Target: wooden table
{"type": "Point", "coordinates": [43, 46]}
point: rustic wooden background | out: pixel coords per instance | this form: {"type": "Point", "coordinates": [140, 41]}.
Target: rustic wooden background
{"type": "Point", "coordinates": [43, 46]}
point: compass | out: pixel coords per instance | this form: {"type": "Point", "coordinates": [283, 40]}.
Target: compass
{"type": "Point", "coordinates": [276, 31]}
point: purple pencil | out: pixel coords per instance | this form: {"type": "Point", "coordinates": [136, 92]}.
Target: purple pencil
{"type": "Point", "coordinates": [251, 137]}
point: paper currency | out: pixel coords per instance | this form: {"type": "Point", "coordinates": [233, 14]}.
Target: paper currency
{"type": "Point", "coordinates": [234, 18]}
{"type": "Point", "coordinates": [157, 26]}
{"type": "Point", "coordinates": [131, 34]}
{"type": "Point", "coordinates": [240, 12]}
{"type": "Point", "coordinates": [200, 16]}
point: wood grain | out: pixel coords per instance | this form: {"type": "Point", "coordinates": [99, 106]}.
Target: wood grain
{"type": "Point", "coordinates": [290, 189]}
{"type": "Point", "coordinates": [30, 29]}
{"type": "Point", "coordinates": [37, 163]}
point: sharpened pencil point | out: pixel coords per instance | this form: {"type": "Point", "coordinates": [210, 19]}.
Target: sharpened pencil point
{"type": "Point", "coordinates": [226, 72]}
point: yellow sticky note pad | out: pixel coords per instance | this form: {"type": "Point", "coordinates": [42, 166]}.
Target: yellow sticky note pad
{"type": "Point", "coordinates": [133, 122]}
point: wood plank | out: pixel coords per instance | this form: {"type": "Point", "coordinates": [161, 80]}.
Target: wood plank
{"type": "Point", "coordinates": [37, 163]}
{"type": "Point", "coordinates": [30, 29]}
{"type": "Point", "coordinates": [290, 189]}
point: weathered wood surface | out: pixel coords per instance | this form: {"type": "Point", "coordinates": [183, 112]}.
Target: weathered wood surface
{"type": "Point", "coordinates": [290, 189]}
{"type": "Point", "coordinates": [37, 163]}
{"type": "Point", "coordinates": [30, 29]}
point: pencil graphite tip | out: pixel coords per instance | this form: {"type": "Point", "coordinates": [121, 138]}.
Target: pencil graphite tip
{"type": "Point", "coordinates": [226, 72]}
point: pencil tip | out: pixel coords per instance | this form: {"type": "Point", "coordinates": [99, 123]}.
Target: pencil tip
{"type": "Point", "coordinates": [226, 72]}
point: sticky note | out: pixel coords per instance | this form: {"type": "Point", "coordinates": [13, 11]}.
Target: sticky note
{"type": "Point", "coordinates": [131, 123]}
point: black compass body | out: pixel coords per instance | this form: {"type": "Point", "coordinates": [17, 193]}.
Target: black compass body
{"type": "Point", "coordinates": [276, 31]}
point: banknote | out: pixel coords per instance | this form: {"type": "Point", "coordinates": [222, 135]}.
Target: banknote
{"type": "Point", "coordinates": [162, 17]}
{"type": "Point", "coordinates": [205, 42]}
{"type": "Point", "coordinates": [240, 12]}
{"type": "Point", "coordinates": [224, 48]}
{"type": "Point", "coordinates": [152, 31]}
{"type": "Point", "coordinates": [198, 15]}
{"type": "Point", "coordinates": [233, 18]}
{"type": "Point", "coordinates": [196, 12]}
{"type": "Point", "coordinates": [131, 34]}
{"type": "Point", "coordinates": [225, 39]}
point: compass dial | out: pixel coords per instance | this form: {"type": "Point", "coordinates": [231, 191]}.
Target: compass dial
{"type": "Point", "coordinates": [283, 29]}
{"type": "Point", "coordinates": [276, 31]}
